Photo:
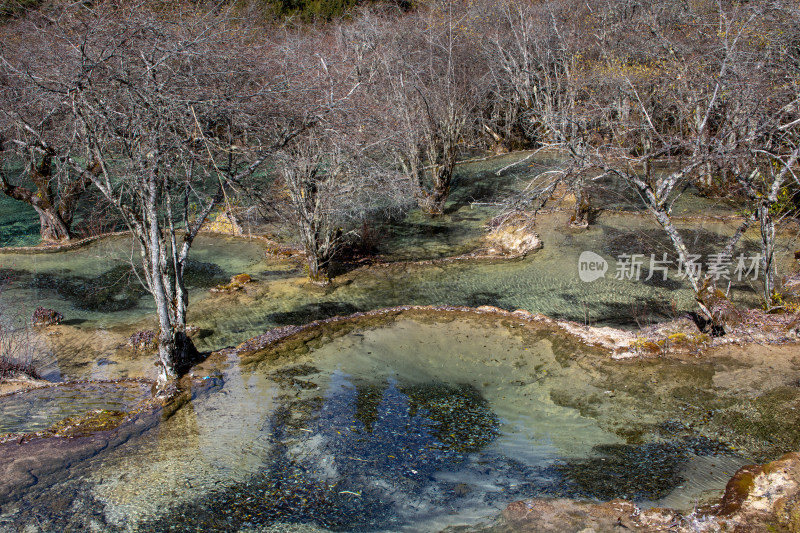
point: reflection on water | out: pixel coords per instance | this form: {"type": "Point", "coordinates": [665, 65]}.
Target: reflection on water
{"type": "Point", "coordinates": [117, 289]}
{"type": "Point", "coordinates": [398, 427]}
{"type": "Point", "coordinates": [410, 426]}
{"type": "Point", "coordinates": [102, 303]}
{"type": "Point", "coordinates": [611, 192]}
{"type": "Point", "coordinates": [352, 459]}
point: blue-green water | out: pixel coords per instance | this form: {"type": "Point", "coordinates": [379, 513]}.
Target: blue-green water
{"type": "Point", "coordinates": [546, 282]}
{"type": "Point", "coordinates": [411, 425]}
{"type": "Point", "coordinates": [103, 303]}
{"type": "Point", "coordinates": [40, 408]}
{"type": "Point", "coordinates": [19, 223]}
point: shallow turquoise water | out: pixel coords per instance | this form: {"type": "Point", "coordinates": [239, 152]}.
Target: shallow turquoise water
{"type": "Point", "coordinates": [385, 428]}
{"type": "Point", "coordinates": [19, 223]}
{"type": "Point", "coordinates": [546, 282]}
{"type": "Point", "coordinates": [410, 426]}
{"type": "Point", "coordinates": [40, 408]}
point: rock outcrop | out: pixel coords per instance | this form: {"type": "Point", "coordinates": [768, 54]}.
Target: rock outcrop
{"type": "Point", "coordinates": [757, 498]}
{"type": "Point", "coordinates": [763, 497]}
{"type": "Point", "coordinates": [237, 283]}
{"type": "Point", "coordinates": [514, 237]}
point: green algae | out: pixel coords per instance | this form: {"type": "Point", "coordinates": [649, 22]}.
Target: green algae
{"type": "Point", "coordinates": [445, 420]}
{"type": "Point", "coordinates": [463, 419]}
{"type": "Point", "coordinates": [646, 471]}
{"type": "Point", "coordinates": [82, 425]}
{"type": "Point", "coordinates": [46, 407]}
{"type": "Point", "coordinates": [117, 289]}
{"type": "Point", "coordinates": [769, 424]}
{"type": "Point", "coordinates": [311, 312]}
{"type": "Point", "coordinates": [664, 411]}
{"type": "Point", "coordinates": [588, 405]}
{"type": "Point", "coordinates": [656, 241]}
{"type": "Point", "coordinates": [635, 433]}
{"type": "Point", "coordinates": [630, 403]}
{"type": "Point", "coordinates": [699, 398]}
{"type": "Point", "coordinates": [303, 341]}
{"type": "Point", "coordinates": [649, 390]}
{"type": "Point", "coordinates": [354, 424]}
{"type": "Point", "coordinates": [203, 275]}
{"type": "Point", "coordinates": [283, 492]}
{"type": "Point", "coordinates": [288, 376]}
{"type": "Point", "coordinates": [20, 223]}
{"type": "Point", "coordinates": [620, 375]}
{"type": "Point", "coordinates": [368, 399]}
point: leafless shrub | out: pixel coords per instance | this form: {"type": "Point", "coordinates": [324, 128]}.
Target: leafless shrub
{"type": "Point", "coordinates": [18, 344]}
{"type": "Point", "coordinates": [43, 316]}
{"type": "Point", "coordinates": [143, 340]}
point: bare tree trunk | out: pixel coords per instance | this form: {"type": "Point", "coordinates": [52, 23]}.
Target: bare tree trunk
{"type": "Point", "coordinates": [54, 220]}
{"type": "Point", "coordinates": [166, 337]}
{"type": "Point", "coordinates": [764, 194]}
{"type": "Point", "coordinates": [52, 227]}
{"type": "Point", "coordinates": [318, 265]}
{"type": "Point", "coordinates": [432, 201]}
{"type": "Point", "coordinates": [656, 201]}
{"type": "Point", "coordinates": [583, 206]}
{"type": "Point", "coordinates": [767, 252]}
{"type": "Point", "coordinates": [122, 102]}
{"type": "Point", "coordinates": [318, 241]}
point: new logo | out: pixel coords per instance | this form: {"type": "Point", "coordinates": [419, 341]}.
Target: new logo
{"type": "Point", "coordinates": [591, 266]}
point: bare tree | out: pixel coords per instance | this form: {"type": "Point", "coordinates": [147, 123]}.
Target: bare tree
{"type": "Point", "coordinates": [656, 98]}
{"type": "Point", "coordinates": [331, 188]}
{"type": "Point", "coordinates": [433, 82]}
{"type": "Point", "coordinates": [707, 115]}
{"type": "Point", "coordinates": [767, 182]}
{"type": "Point", "coordinates": [533, 55]}
{"type": "Point", "coordinates": [35, 178]}
{"type": "Point", "coordinates": [537, 54]}
{"type": "Point", "coordinates": [54, 198]}
{"type": "Point", "coordinates": [167, 111]}
{"type": "Point", "coordinates": [18, 343]}
{"type": "Point", "coordinates": [330, 173]}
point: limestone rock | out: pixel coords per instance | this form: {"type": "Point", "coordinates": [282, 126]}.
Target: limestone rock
{"type": "Point", "coordinates": [237, 283]}
{"type": "Point", "coordinates": [765, 495]}
{"type": "Point", "coordinates": [223, 222]}
{"type": "Point", "coordinates": [757, 498]}
{"type": "Point", "coordinates": [514, 237]}
{"type": "Point", "coordinates": [559, 515]}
